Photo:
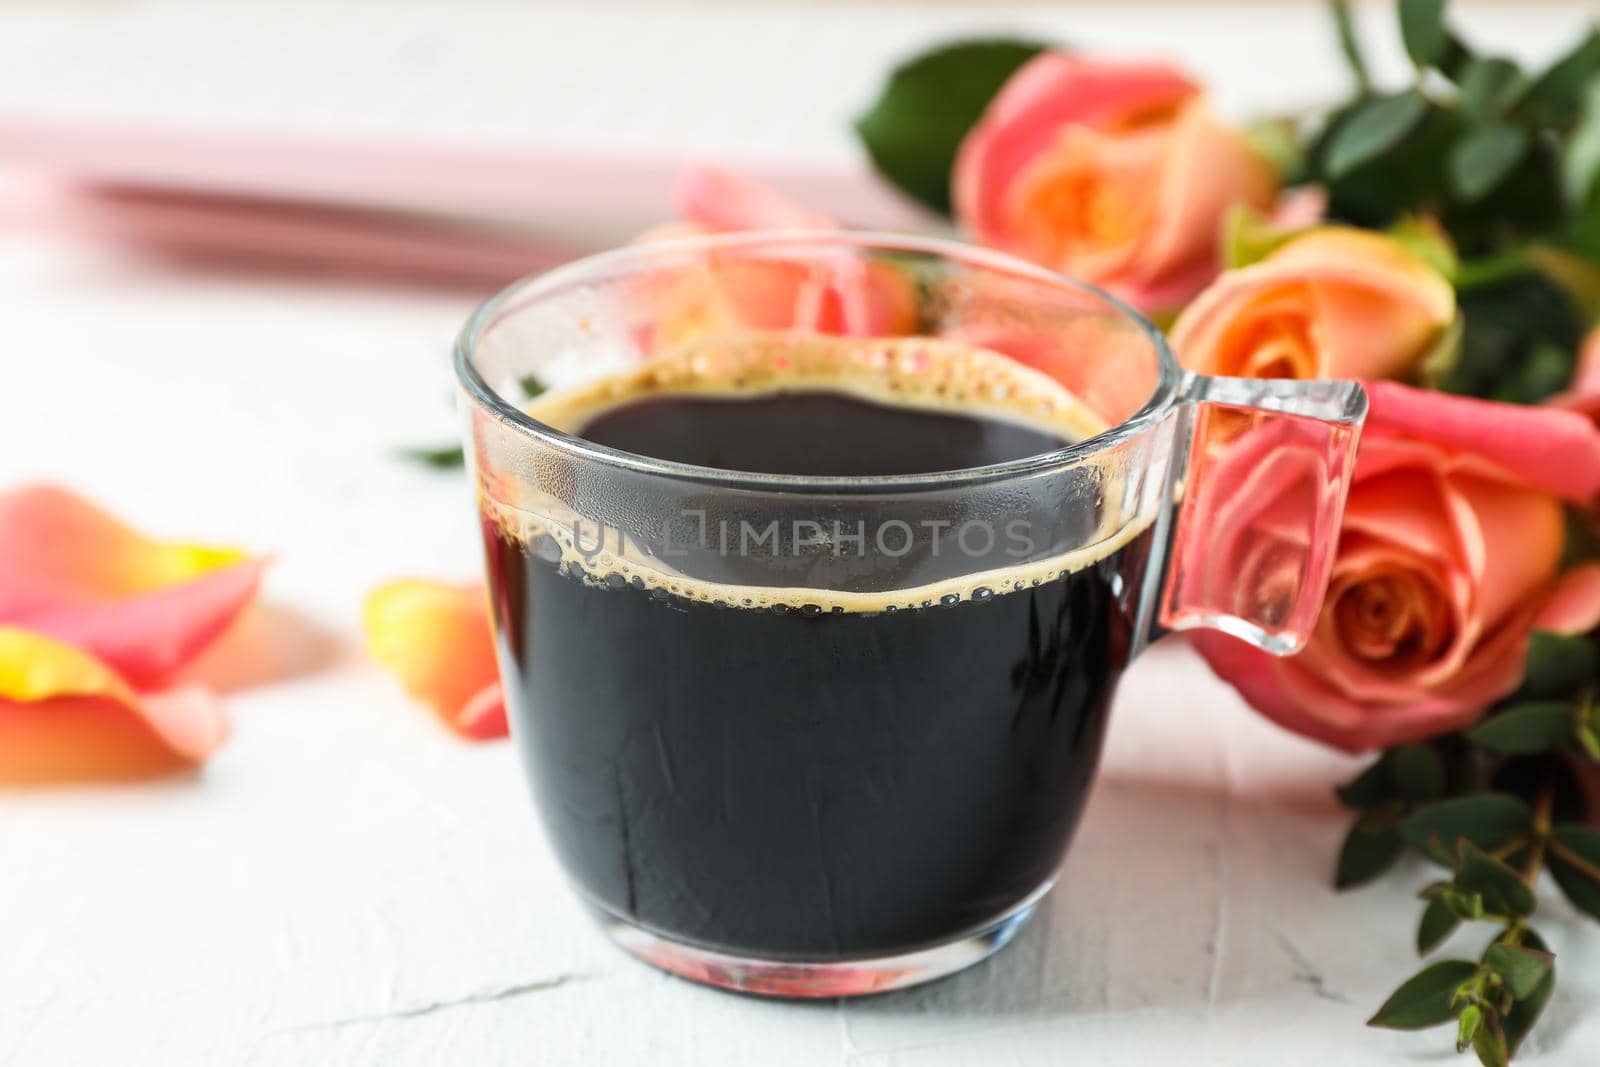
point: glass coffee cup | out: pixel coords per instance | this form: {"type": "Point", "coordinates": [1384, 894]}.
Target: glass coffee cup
{"type": "Point", "coordinates": [815, 560]}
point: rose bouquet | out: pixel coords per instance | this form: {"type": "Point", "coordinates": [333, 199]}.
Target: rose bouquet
{"type": "Point", "coordinates": [1441, 242]}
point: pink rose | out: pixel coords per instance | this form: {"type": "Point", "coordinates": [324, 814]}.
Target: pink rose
{"type": "Point", "coordinates": [1117, 173]}
{"type": "Point", "coordinates": [1448, 557]}
{"type": "Point", "coordinates": [860, 298]}
{"type": "Point", "coordinates": [1333, 303]}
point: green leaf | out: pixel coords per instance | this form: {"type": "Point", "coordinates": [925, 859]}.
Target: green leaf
{"type": "Point", "coordinates": [1467, 1024]}
{"type": "Point", "coordinates": [1488, 86]}
{"type": "Point", "coordinates": [1249, 236]}
{"type": "Point", "coordinates": [1468, 907]}
{"type": "Point", "coordinates": [1526, 728]}
{"type": "Point", "coordinates": [1502, 889]}
{"type": "Point", "coordinates": [1574, 862]}
{"type": "Point", "coordinates": [1577, 276]}
{"type": "Point", "coordinates": [1438, 923]}
{"type": "Point", "coordinates": [1556, 96]}
{"type": "Point", "coordinates": [1589, 740]}
{"type": "Point", "coordinates": [1487, 820]}
{"type": "Point", "coordinates": [532, 387]}
{"type": "Point", "coordinates": [1368, 851]}
{"type": "Point", "coordinates": [1278, 141]}
{"type": "Point", "coordinates": [1374, 128]}
{"type": "Point", "coordinates": [1407, 772]}
{"type": "Point", "coordinates": [1525, 1012]}
{"type": "Point", "coordinates": [1522, 969]}
{"type": "Point", "coordinates": [1490, 1044]}
{"type": "Point", "coordinates": [1581, 540]}
{"type": "Point", "coordinates": [1368, 789]}
{"type": "Point", "coordinates": [1424, 238]}
{"type": "Point", "coordinates": [1509, 308]}
{"type": "Point", "coordinates": [1423, 30]}
{"type": "Point", "coordinates": [1416, 771]}
{"type": "Point", "coordinates": [1545, 369]}
{"type": "Point", "coordinates": [1444, 355]}
{"type": "Point", "coordinates": [916, 125]}
{"type": "Point", "coordinates": [1426, 998]}
{"type": "Point", "coordinates": [1580, 161]}
{"type": "Point", "coordinates": [442, 457]}
{"type": "Point", "coordinates": [1559, 665]}
{"type": "Point", "coordinates": [1350, 43]}
{"type": "Point", "coordinates": [1485, 158]}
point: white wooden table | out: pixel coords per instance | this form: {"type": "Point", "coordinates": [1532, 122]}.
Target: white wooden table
{"type": "Point", "coordinates": [346, 884]}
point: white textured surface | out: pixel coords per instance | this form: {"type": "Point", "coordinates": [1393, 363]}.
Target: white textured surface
{"type": "Point", "coordinates": [345, 884]}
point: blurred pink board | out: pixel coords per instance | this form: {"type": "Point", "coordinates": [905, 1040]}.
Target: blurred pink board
{"type": "Point", "coordinates": [534, 188]}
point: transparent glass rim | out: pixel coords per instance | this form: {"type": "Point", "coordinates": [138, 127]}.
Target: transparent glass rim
{"type": "Point", "coordinates": [633, 258]}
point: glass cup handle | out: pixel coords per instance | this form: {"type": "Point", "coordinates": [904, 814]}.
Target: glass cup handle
{"type": "Point", "coordinates": [1259, 498]}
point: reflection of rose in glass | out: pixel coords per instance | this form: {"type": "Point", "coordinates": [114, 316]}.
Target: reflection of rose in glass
{"type": "Point", "coordinates": [801, 980]}
{"type": "Point", "coordinates": [1245, 544]}
{"type": "Point", "coordinates": [847, 294]}
{"type": "Point", "coordinates": [1449, 555]}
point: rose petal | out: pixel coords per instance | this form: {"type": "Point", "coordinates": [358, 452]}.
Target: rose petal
{"type": "Point", "coordinates": [1583, 394]}
{"type": "Point", "coordinates": [1586, 379]}
{"type": "Point", "coordinates": [65, 714]}
{"type": "Point", "coordinates": [483, 718]}
{"type": "Point", "coordinates": [1401, 504]}
{"type": "Point", "coordinates": [436, 639]}
{"type": "Point", "coordinates": [854, 296]}
{"type": "Point", "coordinates": [722, 200]}
{"type": "Point", "coordinates": [1544, 448]}
{"type": "Point", "coordinates": [1050, 194]}
{"type": "Point", "coordinates": [1050, 91]}
{"type": "Point", "coordinates": [1209, 168]}
{"type": "Point", "coordinates": [1369, 306]}
{"type": "Point", "coordinates": [1522, 533]}
{"type": "Point", "coordinates": [146, 608]}
{"type": "Point", "coordinates": [35, 667]}
{"type": "Point", "coordinates": [1573, 606]}
{"type": "Point", "coordinates": [1301, 701]}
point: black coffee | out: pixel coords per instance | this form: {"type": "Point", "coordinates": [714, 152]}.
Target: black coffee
{"type": "Point", "coordinates": [809, 780]}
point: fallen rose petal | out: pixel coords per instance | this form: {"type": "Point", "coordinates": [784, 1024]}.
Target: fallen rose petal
{"type": "Point", "coordinates": [34, 667]}
{"type": "Point", "coordinates": [146, 608]}
{"type": "Point", "coordinates": [436, 639]}
{"type": "Point", "coordinates": [65, 714]}
{"type": "Point", "coordinates": [483, 718]}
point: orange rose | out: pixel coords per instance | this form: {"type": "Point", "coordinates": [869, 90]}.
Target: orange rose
{"type": "Point", "coordinates": [1449, 555]}
{"type": "Point", "coordinates": [1333, 303]}
{"type": "Point", "coordinates": [1117, 173]}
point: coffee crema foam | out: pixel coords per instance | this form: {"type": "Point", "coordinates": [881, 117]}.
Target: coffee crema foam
{"type": "Point", "coordinates": [927, 374]}
{"type": "Point", "coordinates": [921, 373]}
